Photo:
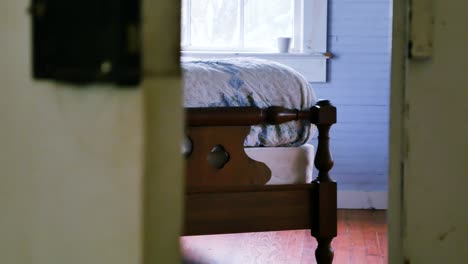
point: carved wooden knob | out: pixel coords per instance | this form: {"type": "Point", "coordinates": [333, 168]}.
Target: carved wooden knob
{"type": "Point", "coordinates": [218, 157]}
{"type": "Point", "coordinates": [322, 102]}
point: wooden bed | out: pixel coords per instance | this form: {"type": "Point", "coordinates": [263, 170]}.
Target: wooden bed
{"type": "Point", "coordinates": [226, 191]}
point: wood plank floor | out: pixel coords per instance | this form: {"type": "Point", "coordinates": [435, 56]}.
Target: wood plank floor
{"type": "Point", "coordinates": [362, 238]}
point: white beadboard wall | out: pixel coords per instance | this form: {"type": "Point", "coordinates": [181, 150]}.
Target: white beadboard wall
{"type": "Point", "coordinates": [359, 35]}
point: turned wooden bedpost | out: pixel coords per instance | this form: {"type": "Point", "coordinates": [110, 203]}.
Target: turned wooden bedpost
{"type": "Point", "coordinates": [324, 214]}
{"type": "Point", "coordinates": [323, 203]}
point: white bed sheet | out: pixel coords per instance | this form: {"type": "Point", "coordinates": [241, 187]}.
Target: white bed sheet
{"type": "Point", "coordinates": [288, 165]}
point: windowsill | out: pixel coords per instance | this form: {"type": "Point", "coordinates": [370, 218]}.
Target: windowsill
{"type": "Point", "coordinates": [312, 66]}
{"type": "Point", "coordinates": [207, 54]}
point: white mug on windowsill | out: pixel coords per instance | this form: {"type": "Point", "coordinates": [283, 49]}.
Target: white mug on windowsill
{"type": "Point", "coordinates": [283, 44]}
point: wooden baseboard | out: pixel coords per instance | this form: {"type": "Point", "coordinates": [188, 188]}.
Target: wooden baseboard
{"type": "Point", "coordinates": [362, 199]}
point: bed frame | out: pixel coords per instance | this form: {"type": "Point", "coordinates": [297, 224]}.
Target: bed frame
{"type": "Point", "coordinates": [226, 191]}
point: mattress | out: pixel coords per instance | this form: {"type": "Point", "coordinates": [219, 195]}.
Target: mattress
{"type": "Point", "coordinates": [287, 165]}
{"type": "Point", "coordinates": [238, 82]}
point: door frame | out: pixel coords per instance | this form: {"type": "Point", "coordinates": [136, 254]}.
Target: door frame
{"type": "Point", "coordinates": [397, 147]}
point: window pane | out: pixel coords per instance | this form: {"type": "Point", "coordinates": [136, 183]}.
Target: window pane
{"type": "Point", "coordinates": [215, 23]}
{"type": "Point", "coordinates": [184, 27]}
{"type": "Point", "coordinates": [266, 20]}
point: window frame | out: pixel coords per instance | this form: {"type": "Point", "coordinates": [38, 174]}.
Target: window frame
{"type": "Point", "coordinates": [309, 57]}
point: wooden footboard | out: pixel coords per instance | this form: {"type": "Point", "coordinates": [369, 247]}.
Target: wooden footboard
{"type": "Point", "coordinates": [226, 191]}
{"type": "Point", "coordinates": [249, 209]}
{"type": "Point", "coordinates": [216, 157]}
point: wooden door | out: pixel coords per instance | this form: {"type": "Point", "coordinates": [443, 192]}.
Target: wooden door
{"type": "Point", "coordinates": [72, 160]}
{"type": "Point", "coordinates": [429, 156]}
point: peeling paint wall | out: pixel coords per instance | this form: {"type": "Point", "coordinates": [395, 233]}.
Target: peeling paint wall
{"type": "Point", "coordinates": [435, 195]}
{"type": "Point", "coordinates": [359, 35]}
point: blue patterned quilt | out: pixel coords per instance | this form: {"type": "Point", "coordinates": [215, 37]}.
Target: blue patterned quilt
{"type": "Point", "coordinates": [251, 82]}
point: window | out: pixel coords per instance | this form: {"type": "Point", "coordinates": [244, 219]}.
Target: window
{"type": "Point", "coordinates": [213, 28]}
{"type": "Point", "coordinates": [246, 25]}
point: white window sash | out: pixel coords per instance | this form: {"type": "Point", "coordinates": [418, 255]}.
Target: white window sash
{"type": "Point", "coordinates": [241, 24]}
{"type": "Point", "coordinates": [310, 29]}
{"type": "Point", "coordinates": [308, 54]}
{"type": "Point", "coordinates": [315, 35]}
{"type": "Point", "coordinates": [298, 26]}
{"type": "Point", "coordinates": [188, 12]}
{"type": "Point", "coordinates": [298, 14]}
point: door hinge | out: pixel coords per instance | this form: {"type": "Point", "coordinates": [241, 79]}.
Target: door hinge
{"type": "Point", "coordinates": [421, 19]}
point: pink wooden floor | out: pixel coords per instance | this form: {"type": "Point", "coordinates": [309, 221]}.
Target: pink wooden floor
{"type": "Point", "coordinates": [362, 238]}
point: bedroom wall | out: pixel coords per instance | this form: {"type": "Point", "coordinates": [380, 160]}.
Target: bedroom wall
{"type": "Point", "coordinates": [359, 35]}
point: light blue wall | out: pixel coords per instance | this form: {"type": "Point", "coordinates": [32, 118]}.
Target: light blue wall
{"type": "Point", "coordinates": [359, 35]}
